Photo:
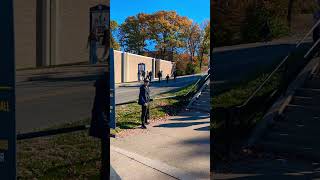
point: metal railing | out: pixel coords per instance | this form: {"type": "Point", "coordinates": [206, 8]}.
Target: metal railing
{"type": "Point", "coordinates": [239, 119]}
{"type": "Point", "coordinates": [65, 130]}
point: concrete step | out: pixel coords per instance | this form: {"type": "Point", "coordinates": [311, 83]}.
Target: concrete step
{"type": "Point", "coordinates": [199, 108]}
{"type": "Point", "coordinates": [291, 126]}
{"type": "Point", "coordinates": [301, 111]}
{"type": "Point", "coordinates": [201, 105]}
{"type": "Point", "coordinates": [204, 98]}
{"type": "Point", "coordinates": [306, 101]}
{"type": "Point", "coordinates": [305, 92]}
{"type": "Point", "coordinates": [314, 84]}
{"type": "Point", "coordinates": [297, 137]}
{"type": "Point", "coordinates": [309, 153]}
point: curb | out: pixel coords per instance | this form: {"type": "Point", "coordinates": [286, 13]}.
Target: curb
{"type": "Point", "coordinates": [279, 106]}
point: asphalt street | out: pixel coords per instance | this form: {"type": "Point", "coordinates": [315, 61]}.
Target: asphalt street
{"type": "Point", "coordinates": [45, 103]}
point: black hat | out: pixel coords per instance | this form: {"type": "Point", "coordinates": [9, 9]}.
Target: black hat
{"type": "Point", "coordinates": [146, 80]}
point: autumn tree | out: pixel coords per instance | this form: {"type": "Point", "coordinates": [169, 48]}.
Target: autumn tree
{"type": "Point", "coordinates": [204, 47]}
{"type": "Point", "coordinates": [192, 40]}
{"type": "Point", "coordinates": [167, 30]}
{"type": "Point", "coordinates": [133, 33]}
{"type": "Point", "coordinates": [114, 43]}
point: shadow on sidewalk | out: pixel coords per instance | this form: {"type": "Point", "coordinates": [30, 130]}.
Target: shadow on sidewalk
{"type": "Point", "coordinates": [181, 125]}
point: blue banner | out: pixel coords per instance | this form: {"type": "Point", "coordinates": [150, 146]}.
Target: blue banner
{"type": "Point", "coordinates": [7, 93]}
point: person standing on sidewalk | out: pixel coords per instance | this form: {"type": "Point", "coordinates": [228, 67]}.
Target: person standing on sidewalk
{"type": "Point", "coordinates": [92, 41]}
{"type": "Point", "coordinates": [144, 100]}
{"type": "Point", "coordinates": [150, 76]}
{"type": "Point", "coordinates": [175, 75]}
{"type": "Point", "coordinates": [167, 77]}
{"type": "Point", "coordinates": [159, 76]}
{"type": "Point", "coordinates": [316, 31]}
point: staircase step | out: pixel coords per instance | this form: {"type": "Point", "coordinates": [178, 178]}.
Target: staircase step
{"type": "Point", "coordinates": [297, 138]}
{"type": "Point", "coordinates": [306, 152]}
{"type": "Point", "coordinates": [302, 110]}
{"type": "Point", "coordinates": [306, 101]}
{"type": "Point", "coordinates": [207, 109]}
{"type": "Point", "coordinates": [290, 126]}
{"type": "Point", "coordinates": [307, 92]}
{"type": "Point", "coordinates": [314, 84]}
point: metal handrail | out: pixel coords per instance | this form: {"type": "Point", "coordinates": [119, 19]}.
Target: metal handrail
{"type": "Point", "coordinates": [280, 64]}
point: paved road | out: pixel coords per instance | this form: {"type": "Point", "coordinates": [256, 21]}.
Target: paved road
{"type": "Point", "coordinates": [54, 101]}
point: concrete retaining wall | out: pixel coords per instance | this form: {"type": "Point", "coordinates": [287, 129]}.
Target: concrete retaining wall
{"type": "Point", "coordinates": [126, 66]}
{"type": "Point", "coordinates": [165, 67]}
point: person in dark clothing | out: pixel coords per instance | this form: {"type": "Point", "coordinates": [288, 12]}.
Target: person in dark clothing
{"type": "Point", "coordinates": [92, 42]}
{"type": "Point", "coordinates": [143, 75]}
{"type": "Point", "coordinates": [167, 77]}
{"type": "Point", "coordinates": [266, 32]}
{"type": "Point", "coordinates": [316, 32]}
{"type": "Point", "coordinates": [175, 75]}
{"type": "Point", "coordinates": [99, 121]}
{"type": "Point", "coordinates": [159, 76]}
{"type": "Point", "coordinates": [144, 100]}
{"type": "Point", "coordinates": [150, 76]}
{"type": "Point", "coordinates": [99, 127]}
{"type": "Point", "coordinates": [106, 43]}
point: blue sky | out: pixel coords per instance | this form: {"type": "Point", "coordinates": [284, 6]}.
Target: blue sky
{"type": "Point", "coordinates": [197, 10]}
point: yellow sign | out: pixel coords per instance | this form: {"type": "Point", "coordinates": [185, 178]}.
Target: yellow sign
{"type": "Point", "coordinates": [4, 106]}
{"type": "Point", "coordinates": [3, 144]}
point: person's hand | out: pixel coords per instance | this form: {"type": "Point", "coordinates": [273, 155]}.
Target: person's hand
{"type": "Point", "coordinates": [145, 104]}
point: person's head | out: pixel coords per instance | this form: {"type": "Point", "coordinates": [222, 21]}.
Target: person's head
{"type": "Point", "coordinates": [146, 82]}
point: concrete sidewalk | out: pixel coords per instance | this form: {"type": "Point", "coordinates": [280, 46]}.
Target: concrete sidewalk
{"type": "Point", "coordinates": [176, 149]}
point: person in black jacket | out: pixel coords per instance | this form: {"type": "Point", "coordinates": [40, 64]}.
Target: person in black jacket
{"type": "Point", "coordinates": [99, 122]}
{"type": "Point", "coordinates": [99, 127]}
{"type": "Point", "coordinates": [144, 100]}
